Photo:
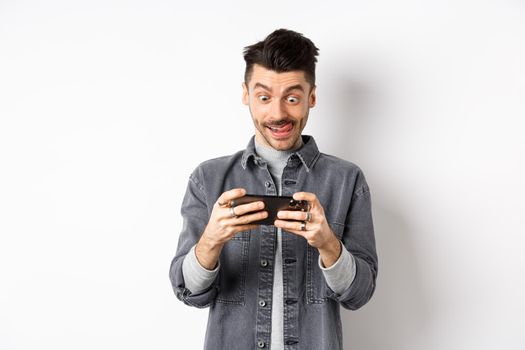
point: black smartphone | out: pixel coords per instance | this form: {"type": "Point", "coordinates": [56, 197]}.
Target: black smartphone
{"type": "Point", "coordinates": [272, 204]}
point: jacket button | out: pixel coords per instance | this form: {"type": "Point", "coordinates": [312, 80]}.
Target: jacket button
{"type": "Point", "coordinates": [264, 262]}
{"type": "Point", "coordinates": [262, 303]}
{"type": "Point", "coordinates": [260, 344]}
{"type": "Point", "coordinates": [268, 184]}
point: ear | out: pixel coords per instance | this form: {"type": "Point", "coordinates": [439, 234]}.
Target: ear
{"type": "Point", "coordinates": [312, 99]}
{"type": "Point", "coordinates": [245, 94]}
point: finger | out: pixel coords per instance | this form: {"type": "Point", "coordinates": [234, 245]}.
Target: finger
{"type": "Point", "coordinates": [311, 198]}
{"type": "Point", "coordinates": [227, 196]}
{"type": "Point", "coordinates": [304, 196]}
{"type": "Point", "coordinates": [249, 207]}
{"type": "Point", "coordinates": [292, 226]}
{"type": "Point", "coordinates": [292, 215]}
{"type": "Point", "coordinates": [228, 212]}
{"type": "Point", "coordinates": [247, 219]}
{"type": "Point", "coordinates": [240, 210]}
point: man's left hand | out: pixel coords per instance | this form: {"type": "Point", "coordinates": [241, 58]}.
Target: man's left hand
{"type": "Point", "coordinates": [313, 226]}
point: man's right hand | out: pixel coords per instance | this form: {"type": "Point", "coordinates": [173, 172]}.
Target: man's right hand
{"type": "Point", "coordinates": [224, 223]}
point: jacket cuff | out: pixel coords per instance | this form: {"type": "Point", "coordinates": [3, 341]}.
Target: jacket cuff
{"type": "Point", "coordinates": [196, 277]}
{"type": "Point", "coordinates": [200, 299]}
{"type": "Point", "coordinates": [340, 275]}
{"type": "Point", "coordinates": [361, 289]}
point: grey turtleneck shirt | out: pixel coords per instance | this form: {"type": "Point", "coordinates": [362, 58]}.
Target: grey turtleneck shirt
{"type": "Point", "coordinates": [339, 276]}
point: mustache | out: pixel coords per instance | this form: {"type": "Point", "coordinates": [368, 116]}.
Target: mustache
{"type": "Point", "coordinates": [279, 122]}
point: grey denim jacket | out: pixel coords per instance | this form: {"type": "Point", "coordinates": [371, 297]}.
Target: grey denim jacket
{"type": "Point", "coordinates": [240, 297]}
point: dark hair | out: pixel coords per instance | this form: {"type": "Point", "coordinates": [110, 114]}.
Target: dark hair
{"type": "Point", "coordinates": [283, 51]}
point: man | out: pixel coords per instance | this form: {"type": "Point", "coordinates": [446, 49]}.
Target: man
{"type": "Point", "coordinates": [276, 286]}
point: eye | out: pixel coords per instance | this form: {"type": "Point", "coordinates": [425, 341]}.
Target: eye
{"type": "Point", "coordinates": [263, 98]}
{"type": "Point", "coordinates": [293, 99]}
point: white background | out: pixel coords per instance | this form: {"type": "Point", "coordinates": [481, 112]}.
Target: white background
{"type": "Point", "coordinates": [107, 106]}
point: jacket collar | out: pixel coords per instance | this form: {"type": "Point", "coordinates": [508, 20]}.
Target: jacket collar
{"type": "Point", "coordinates": [308, 153]}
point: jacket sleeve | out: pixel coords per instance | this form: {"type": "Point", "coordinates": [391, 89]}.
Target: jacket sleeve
{"type": "Point", "coordinates": [358, 238]}
{"type": "Point", "coordinates": [195, 215]}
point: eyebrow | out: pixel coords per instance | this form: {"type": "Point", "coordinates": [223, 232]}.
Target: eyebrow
{"type": "Point", "coordinates": [288, 89]}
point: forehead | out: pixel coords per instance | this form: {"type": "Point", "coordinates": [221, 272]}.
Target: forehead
{"type": "Point", "coordinates": [275, 80]}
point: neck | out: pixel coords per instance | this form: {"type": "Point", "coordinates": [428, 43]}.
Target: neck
{"type": "Point", "coordinates": [260, 141]}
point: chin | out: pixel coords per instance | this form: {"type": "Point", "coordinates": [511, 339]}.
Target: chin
{"type": "Point", "coordinates": [284, 144]}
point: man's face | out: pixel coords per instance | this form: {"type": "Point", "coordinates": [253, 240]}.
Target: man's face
{"type": "Point", "coordinates": [279, 104]}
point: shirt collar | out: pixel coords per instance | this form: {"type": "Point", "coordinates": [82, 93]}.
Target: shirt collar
{"type": "Point", "coordinates": [308, 153]}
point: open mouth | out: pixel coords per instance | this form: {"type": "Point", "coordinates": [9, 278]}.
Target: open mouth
{"type": "Point", "coordinates": [281, 131]}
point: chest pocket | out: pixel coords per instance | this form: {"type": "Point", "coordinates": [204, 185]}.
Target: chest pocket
{"type": "Point", "coordinates": [316, 287]}
{"type": "Point", "coordinates": [234, 266]}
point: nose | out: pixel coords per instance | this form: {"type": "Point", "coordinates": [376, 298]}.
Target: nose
{"type": "Point", "coordinates": [278, 110]}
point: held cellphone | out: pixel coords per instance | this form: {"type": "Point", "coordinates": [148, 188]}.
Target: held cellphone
{"type": "Point", "coordinates": [272, 204]}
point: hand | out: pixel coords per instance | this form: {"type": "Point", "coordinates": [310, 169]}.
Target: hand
{"type": "Point", "coordinates": [317, 231]}
{"type": "Point", "coordinates": [224, 223]}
